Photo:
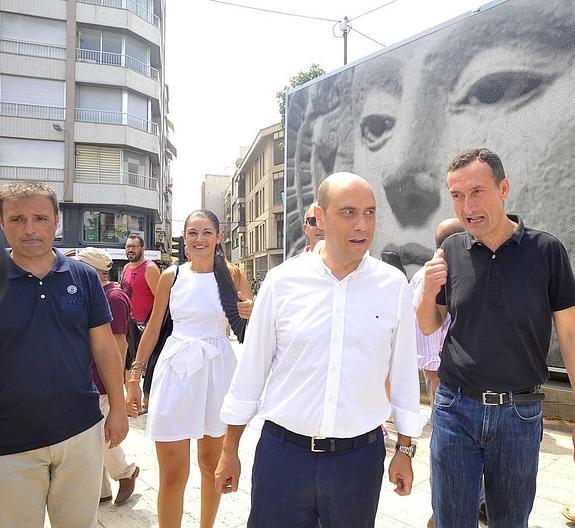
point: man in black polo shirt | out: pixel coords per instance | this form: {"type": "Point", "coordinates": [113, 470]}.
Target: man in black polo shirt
{"type": "Point", "coordinates": [502, 284]}
{"type": "Point", "coordinates": [54, 320]}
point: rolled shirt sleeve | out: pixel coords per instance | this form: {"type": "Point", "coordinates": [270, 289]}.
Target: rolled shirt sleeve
{"type": "Point", "coordinates": [403, 371]}
{"type": "Point", "coordinates": [242, 401]}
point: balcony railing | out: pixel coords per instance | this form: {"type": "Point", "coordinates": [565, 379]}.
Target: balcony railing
{"type": "Point", "coordinates": [31, 173]}
{"type": "Point", "coordinates": [117, 178]}
{"type": "Point", "coordinates": [55, 113]}
{"type": "Point", "coordinates": [116, 118]}
{"type": "Point", "coordinates": [34, 49]}
{"type": "Point", "coordinates": [116, 59]}
{"type": "Point", "coordinates": [130, 5]}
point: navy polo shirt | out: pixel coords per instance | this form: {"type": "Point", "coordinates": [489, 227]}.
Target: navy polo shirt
{"type": "Point", "coordinates": [501, 305]}
{"type": "Point", "coordinates": [46, 390]}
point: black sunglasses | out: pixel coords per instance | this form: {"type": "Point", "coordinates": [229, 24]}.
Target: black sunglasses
{"type": "Point", "coordinates": [311, 220]}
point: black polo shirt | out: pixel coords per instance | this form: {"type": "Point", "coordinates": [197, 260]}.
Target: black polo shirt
{"type": "Point", "coordinates": [501, 307]}
{"type": "Point", "coordinates": [46, 389]}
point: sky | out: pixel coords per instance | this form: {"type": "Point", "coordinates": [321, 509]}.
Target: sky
{"type": "Point", "coordinates": [224, 65]}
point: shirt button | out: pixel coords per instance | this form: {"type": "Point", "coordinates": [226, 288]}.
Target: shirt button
{"type": "Point", "coordinates": [40, 283]}
{"type": "Point", "coordinates": [493, 256]}
{"type": "Point", "coordinates": [42, 296]}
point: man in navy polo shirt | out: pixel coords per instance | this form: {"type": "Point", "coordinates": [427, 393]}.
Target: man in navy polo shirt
{"type": "Point", "coordinates": [55, 317]}
{"type": "Point", "coordinates": [503, 284]}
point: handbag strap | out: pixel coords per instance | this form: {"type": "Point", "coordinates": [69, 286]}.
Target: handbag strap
{"type": "Point", "coordinates": [167, 312]}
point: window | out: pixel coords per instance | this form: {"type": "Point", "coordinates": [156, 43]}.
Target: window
{"type": "Point", "coordinates": [279, 231]}
{"type": "Point", "coordinates": [278, 152]}
{"type": "Point", "coordinates": [31, 91]}
{"type": "Point", "coordinates": [278, 187]}
{"type": "Point", "coordinates": [33, 29]}
{"type": "Point", "coordinates": [111, 228]}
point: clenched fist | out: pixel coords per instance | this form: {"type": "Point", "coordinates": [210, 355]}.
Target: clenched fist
{"type": "Point", "coordinates": [435, 275]}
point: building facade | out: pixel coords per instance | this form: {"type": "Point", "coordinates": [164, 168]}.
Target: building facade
{"type": "Point", "coordinates": [83, 108]}
{"type": "Point", "coordinates": [213, 194]}
{"type": "Point", "coordinates": [257, 210]}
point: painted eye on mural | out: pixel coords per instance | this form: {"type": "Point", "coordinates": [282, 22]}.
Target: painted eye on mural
{"type": "Point", "coordinates": [504, 87]}
{"type": "Point", "coordinates": [376, 130]}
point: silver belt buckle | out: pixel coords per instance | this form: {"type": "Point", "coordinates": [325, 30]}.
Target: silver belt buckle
{"type": "Point", "coordinates": [489, 393]}
{"type": "Point", "coordinates": [312, 444]}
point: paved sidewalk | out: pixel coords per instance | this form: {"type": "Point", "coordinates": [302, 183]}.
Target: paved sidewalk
{"type": "Point", "coordinates": [556, 484]}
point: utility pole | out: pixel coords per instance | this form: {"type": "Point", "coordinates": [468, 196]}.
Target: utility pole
{"type": "Point", "coordinates": [344, 27]}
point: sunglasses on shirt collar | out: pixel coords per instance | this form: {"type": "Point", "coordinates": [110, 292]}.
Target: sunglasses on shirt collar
{"type": "Point", "coordinates": [311, 220]}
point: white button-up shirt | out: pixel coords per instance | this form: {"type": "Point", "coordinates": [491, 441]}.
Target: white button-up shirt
{"type": "Point", "coordinates": [428, 347]}
{"type": "Point", "coordinates": [322, 349]}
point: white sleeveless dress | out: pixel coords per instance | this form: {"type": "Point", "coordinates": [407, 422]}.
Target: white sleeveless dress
{"type": "Point", "coordinates": [195, 368]}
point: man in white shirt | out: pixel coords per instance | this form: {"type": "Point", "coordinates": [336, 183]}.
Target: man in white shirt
{"type": "Point", "coordinates": [312, 231]}
{"type": "Point", "coordinates": [325, 333]}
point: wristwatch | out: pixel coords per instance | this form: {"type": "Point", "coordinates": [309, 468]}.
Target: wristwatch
{"type": "Point", "coordinates": [406, 450]}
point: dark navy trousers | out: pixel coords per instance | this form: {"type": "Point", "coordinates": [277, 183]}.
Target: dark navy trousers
{"type": "Point", "coordinates": [293, 487]}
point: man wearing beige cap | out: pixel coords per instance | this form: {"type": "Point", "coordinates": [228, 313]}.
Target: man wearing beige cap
{"type": "Point", "coordinates": [115, 464]}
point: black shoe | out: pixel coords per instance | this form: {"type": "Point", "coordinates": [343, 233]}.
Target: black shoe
{"type": "Point", "coordinates": [483, 514]}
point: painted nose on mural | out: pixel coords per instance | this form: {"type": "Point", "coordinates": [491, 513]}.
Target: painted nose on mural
{"type": "Point", "coordinates": [413, 196]}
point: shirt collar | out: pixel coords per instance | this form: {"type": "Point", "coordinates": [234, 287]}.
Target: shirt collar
{"type": "Point", "coordinates": [324, 270]}
{"type": "Point", "coordinates": [515, 237]}
{"type": "Point", "coordinates": [60, 264]}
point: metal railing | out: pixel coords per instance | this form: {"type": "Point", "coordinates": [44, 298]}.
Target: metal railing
{"type": "Point", "coordinates": [116, 118]}
{"type": "Point", "coordinates": [117, 178]}
{"type": "Point", "coordinates": [31, 173]}
{"type": "Point", "coordinates": [130, 5]}
{"type": "Point", "coordinates": [34, 49]}
{"type": "Point", "coordinates": [56, 113]}
{"type": "Point", "coordinates": [116, 59]}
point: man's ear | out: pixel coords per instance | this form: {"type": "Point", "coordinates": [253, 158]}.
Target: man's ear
{"type": "Point", "coordinates": [319, 214]}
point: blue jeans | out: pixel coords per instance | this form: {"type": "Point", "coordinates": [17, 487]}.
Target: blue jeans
{"type": "Point", "coordinates": [292, 487]}
{"type": "Point", "coordinates": [470, 439]}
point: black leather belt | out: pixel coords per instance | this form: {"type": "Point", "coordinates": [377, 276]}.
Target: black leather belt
{"type": "Point", "coordinates": [503, 398]}
{"type": "Point", "coordinates": [319, 444]}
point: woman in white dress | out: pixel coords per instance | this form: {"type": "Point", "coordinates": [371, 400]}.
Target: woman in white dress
{"type": "Point", "coordinates": [195, 367]}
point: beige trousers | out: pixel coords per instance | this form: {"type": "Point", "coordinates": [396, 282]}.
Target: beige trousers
{"type": "Point", "coordinates": [115, 464]}
{"type": "Point", "coordinates": [64, 477]}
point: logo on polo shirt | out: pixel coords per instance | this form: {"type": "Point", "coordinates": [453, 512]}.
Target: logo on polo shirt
{"type": "Point", "coordinates": [71, 302]}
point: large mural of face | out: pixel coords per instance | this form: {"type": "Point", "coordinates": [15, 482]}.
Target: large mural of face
{"type": "Point", "coordinates": [502, 78]}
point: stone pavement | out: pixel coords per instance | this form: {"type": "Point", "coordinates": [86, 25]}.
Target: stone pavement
{"type": "Point", "coordinates": [556, 484]}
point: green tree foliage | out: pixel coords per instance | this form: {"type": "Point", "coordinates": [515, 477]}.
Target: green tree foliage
{"type": "Point", "coordinates": [300, 78]}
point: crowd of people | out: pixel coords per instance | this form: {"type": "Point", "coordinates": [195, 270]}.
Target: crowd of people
{"type": "Point", "coordinates": [331, 352]}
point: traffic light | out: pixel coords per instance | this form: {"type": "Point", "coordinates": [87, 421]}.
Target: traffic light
{"type": "Point", "coordinates": [178, 249]}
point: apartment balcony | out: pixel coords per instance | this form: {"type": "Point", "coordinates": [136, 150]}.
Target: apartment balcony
{"type": "Point", "coordinates": [118, 178]}
{"type": "Point", "coordinates": [116, 187]}
{"type": "Point", "coordinates": [55, 9]}
{"type": "Point", "coordinates": [32, 49]}
{"type": "Point", "coordinates": [123, 14]}
{"type": "Point", "coordinates": [116, 118]}
{"type": "Point", "coordinates": [31, 173]}
{"type": "Point", "coordinates": [32, 59]}
{"type": "Point", "coordinates": [101, 67]}
{"type": "Point", "coordinates": [31, 111]}
{"type": "Point", "coordinates": [116, 128]}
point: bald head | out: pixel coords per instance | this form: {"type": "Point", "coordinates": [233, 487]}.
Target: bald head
{"type": "Point", "coordinates": [445, 229]}
{"type": "Point", "coordinates": [339, 182]}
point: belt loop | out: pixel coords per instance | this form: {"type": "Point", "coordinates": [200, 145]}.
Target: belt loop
{"type": "Point", "coordinates": [332, 445]}
{"type": "Point", "coordinates": [510, 397]}
{"type": "Point", "coordinates": [283, 434]}
{"type": "Point", "coordinates": [355, 443]}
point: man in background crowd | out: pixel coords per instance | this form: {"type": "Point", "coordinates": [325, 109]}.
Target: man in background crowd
{"type": "Point", "coordinates": [115, 464]}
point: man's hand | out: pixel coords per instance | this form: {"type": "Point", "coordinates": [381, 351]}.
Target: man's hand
{"type": "Point", "coordinates": [228, 473]}
{"type": "Point", "coordinates": [116, 427]}
{"type": "Point", "coordinates": [245, 306]}
{"type": "Point", "coordinates": [401, 473]}
{"type": "Point", "coordinates": [133, 399]}
{"type": "Point", "coordinates": [435, 275]}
